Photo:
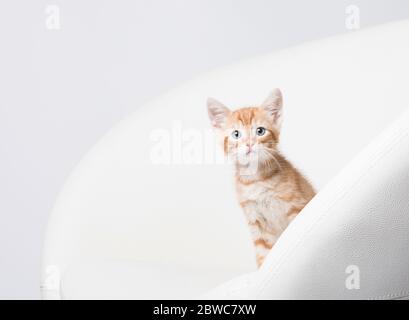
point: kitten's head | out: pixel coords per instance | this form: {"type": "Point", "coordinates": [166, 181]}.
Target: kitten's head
{"type": "Point", "coordinates": [250, 135]}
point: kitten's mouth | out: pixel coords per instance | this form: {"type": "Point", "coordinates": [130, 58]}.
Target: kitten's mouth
{"type": "Point", "coordinates": [252, 153]}
{"type": "Point", "coordinates": [250, 156]}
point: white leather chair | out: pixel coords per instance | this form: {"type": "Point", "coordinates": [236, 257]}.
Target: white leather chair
{"type": "Point", "coordinates": [125, 227]}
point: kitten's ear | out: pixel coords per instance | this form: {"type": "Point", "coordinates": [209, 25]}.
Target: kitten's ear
{"type": "Point", "coordinates": [217, 113]}
{"type": "Point", "coordinates": [274, 105]}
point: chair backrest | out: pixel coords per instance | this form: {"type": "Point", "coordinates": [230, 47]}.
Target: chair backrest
{"type": "Point", "coordinates": [120, 204]}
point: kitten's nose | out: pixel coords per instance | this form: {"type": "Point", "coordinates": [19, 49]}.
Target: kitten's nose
{"type": "Point", "coordinates": [249, 145]}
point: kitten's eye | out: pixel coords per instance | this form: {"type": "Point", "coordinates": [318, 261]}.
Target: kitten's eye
{"type": "Point", "coordinates": [236, 134]}
{"type": "Point", "coordinates": [260, 131]}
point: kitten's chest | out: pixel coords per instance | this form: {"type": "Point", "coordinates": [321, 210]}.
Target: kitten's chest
{"type": "Point", "coordinates": [263, 199]}
{"type": "Point", "coordinates": [259, 192]}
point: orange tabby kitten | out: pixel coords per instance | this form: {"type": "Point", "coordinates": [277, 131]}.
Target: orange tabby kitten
{"type": "Point", "coordinates": [270, 190]}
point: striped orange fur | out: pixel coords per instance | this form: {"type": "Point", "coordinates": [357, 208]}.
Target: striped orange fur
{"type": "Point", "coordinates": [270, 190]}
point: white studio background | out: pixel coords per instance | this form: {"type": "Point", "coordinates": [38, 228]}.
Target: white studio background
{"type": "Point", "coordinates": [65, 82]}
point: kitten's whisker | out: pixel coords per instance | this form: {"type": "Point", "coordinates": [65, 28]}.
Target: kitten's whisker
{"type": "Point", "coordinates": [271, 154]}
